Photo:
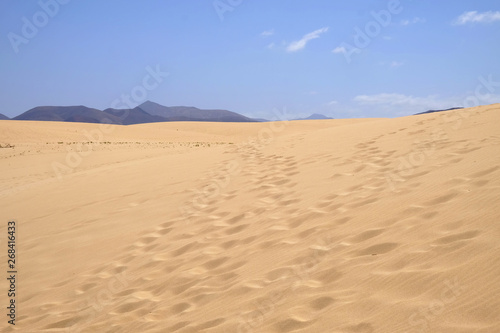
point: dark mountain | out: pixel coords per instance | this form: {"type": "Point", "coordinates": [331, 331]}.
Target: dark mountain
{"type": "Point", "coordinates": [314, 116]}
{"type": "Point", "coordinates": [147, 112]}
{"type": "Point", "coordinates": [189, 113]}
{"type": "Point", "coordinates": [80, 113]}
{"type": "Point", "coordinates": [134, 116]}
{"type": "Point", "coordinates": [3, 117]}
{"type": "Point", "coordinates": [432, 111]}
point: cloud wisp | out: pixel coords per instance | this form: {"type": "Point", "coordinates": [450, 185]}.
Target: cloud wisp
{"type": "Point", "coordinates": [301, 43]}
{"type": "Point", "coordinates": [413, 21]}
{"type": "Point", "coordinates": [476, 17]}
{"type": "Point", "coordinates": [339, 50]}
{"type": "Point", "coordinates": [267, 33]}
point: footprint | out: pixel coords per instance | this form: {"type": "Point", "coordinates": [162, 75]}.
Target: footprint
{"type": "Point", "coordinates": [129, 307]}
{"type": "Point", "coordinates": [86, 287]}
{"type": "Point", "coordinates": [367, 235]}
{"type": "Point", "coordinates": [328, 275]}
{"type": "Point", "coordinates": [440, 200]}
{"type": "Point", "coordinates": [145, 241]}
{"type": "Point", "coordinates": [180, 307]}
{"type": "Point", "coordinates": [235, 219]}
{"type": "Point", "coordinates": [480, 183]}
{"type": "Point", "coordinates": [182, 288]}
{"type": "Point", "coordinates": [229, 244]}
{"type": "Point", "coordinates": [363, 202]}
{"type": "Point", "coordinates": [361, 328]}
{"type": "Point", "coordinates": [165, 231]}
{"type": "Point", "coordinates": [66, 323]}
{"type": "Point", "coordinates": [212, 264]}
{"type": "Point", "coordinates": [167, 224]}
{"type": "Point", "coordinates": [178, 326]}
{"type": "Point", "coordinates": [343, 220]}
{"type": "Point", "coordinates": [457, 237]}
{"type": "Point", "coordinates": [378, 249]}
{"type": "Point", "coordinates": [291, 324]}
{"type": "Point", "coordinates": [307, 233]}
{"type": "Point", "coordinates": [484, 172]}
{"type": "Point", "coordinates": [429, 215]}
{"type": "Point", "coordinates": [279, 273]}
{"type": "Point", "coordinates": [321, 302]}
{"type": "Point", "coordinates": [210, 324]}
{"type": "Point", "coordinates": [183, 249]}
{"type": "Point", "coordinates": [237, 229]}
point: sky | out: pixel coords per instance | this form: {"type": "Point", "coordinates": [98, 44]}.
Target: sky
{"type": "Point", "coordinates": [343, 59]}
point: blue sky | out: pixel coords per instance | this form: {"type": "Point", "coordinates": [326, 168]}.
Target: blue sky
{"type": "Point", "coordinates": [343, 59]}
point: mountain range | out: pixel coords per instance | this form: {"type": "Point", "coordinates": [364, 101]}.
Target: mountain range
{"type": "Point", "coordinates": [147, 112]}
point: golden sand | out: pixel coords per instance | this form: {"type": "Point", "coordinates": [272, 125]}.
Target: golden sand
{"type": "Point", "coordinates": [362, 225]}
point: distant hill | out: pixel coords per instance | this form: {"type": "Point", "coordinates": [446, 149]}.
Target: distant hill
{"type": "Point", "coordinates": [134, 116]}
{"type": "Point", "coordinates": [3, 117]}
{"type": "Point", "coordinates": [79, 113]}
{"type": "Point", "coordinates": [314, 116]}
{"type": "Point", "coordinates": [189, 113]}
{"type": "Point", "coordinates": [432, 111]}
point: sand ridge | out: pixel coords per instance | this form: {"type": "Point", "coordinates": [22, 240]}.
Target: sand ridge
{"type": "Point", "coordinates": [371, 225]}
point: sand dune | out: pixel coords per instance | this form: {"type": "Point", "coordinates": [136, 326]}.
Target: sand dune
{"type": "Point", "coordinates": [366, 225]}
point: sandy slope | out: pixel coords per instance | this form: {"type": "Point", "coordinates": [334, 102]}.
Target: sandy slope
{"type": "Point", "coordinates": [375, 225]}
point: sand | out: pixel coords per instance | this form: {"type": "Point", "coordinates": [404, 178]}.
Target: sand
{"type": "Point", "coordinates": [361, 225]}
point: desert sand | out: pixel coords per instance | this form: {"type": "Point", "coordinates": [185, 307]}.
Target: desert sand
{"type": "Point", "coordinates": [357, 225]}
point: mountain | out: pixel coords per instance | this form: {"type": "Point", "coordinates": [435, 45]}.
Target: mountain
{"type": "Point", "coordinates": [432, 111]}
{"type": "Point", "coordinates": [3, 117]}
{"type": "Point", "coordinates": [314, 116]}
{"type": "Point", "coordinates": [134, 116]}
{"type": "Point", "coordinates": [189, 113]}
{"type": "Point", "coordinates": [81, 114]}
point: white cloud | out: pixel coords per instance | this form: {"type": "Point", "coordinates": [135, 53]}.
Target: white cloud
{"type": "Point", "coordinates": [399, 100]}
{"type": "Point", "coordinates": [332, 103]}
{"type": "Point", "coordinates": [394, 104]}
{"type": "Point", "coordinates": [415, 20]}
{"type": "Point", "coordinates": [428, 102]}
{"type": "Point", "coordinates": [267, 33]}
{"type": "Point", "coordinates": [475, 17]}
{"type": "Point", "coordinates": [399, 104]}
{"type": "Point", "coordinates": [300, 44]}
{"type": "Point", "coordinates": [270, 46]}
{"type": "Point", "coordinates": [339, 49]}
{"type": "Point", "coordinates": [387, 37]}
{"type": "Point", "coordinates": [487, 99]}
